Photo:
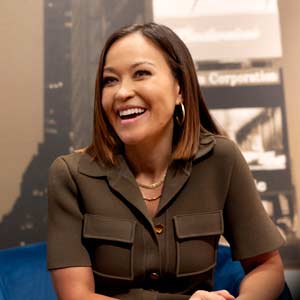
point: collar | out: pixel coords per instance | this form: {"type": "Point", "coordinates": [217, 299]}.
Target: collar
{"type": "Point", "coordinates": [121, 179]}
{"type": "Point", "coordinates": [92, 168]}
{"type": "Point", "coordinates": [207, 143]}
{"type": "Point", "coordinates": [88, 166]}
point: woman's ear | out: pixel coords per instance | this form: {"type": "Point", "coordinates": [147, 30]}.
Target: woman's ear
{"type": "Point", "coordinates": [179, 96]}
{"type": "Point", "coordinates": [179, 99]}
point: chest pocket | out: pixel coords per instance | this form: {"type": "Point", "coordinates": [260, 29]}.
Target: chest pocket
{"type": "Point", "coordinates": [197, 236]}
{"type": "Point", "coordinates": [110, 243]}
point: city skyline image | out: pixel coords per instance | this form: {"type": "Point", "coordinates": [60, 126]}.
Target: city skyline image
{"type": "Point", "coordinates": [74, 32]}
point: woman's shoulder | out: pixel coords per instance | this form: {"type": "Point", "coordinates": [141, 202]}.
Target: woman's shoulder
{"type": "Point", "coordinates": [226, 148]}
{"type": "Point", "coordinates": [216, 146]}
{"type": "Point", "coordinates": [227, 151]}
{"type": "Point", "coordinates": [79, 163]}
{"type": "Point", "coordinates": [68, 161]}
{"type": "Point", "coordinates": [225, 144]}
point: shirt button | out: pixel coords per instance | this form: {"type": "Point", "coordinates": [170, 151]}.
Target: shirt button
{"type": "Point", "coordinates": [159, 228]}
{"type": "Point", "coordinates": [154, 276]}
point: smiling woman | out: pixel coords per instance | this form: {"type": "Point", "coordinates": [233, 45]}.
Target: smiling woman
{"type": "Point", "coordinates": [139, 213]}
{"type": "Point", "coordinates": [140, 93]}
{"type": "Point", "coordinates": [165, 52]}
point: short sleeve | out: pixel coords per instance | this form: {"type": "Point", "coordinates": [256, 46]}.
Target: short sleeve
{"type": "Point", "coordinates": [64, 241]}
{"type": "Point", "coordinates": [247, 227]}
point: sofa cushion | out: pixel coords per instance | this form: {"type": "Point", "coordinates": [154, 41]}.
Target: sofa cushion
{"type": "Point", "coordinates": [24, 275]}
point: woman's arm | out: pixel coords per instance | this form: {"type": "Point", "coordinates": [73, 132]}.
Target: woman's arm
{"type": "Point", "coordinates": [264, 278]}
{"type": "Point", "coordinates": [75, 283]}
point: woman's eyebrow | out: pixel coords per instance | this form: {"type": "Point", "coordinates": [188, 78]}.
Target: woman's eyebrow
{"type": "Point", "coordinates": [111, 69]}
{"type": "Point", "coordinates": [141, 63]}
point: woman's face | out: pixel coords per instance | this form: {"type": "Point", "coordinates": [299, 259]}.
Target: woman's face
{"type": "Point", "coordinates": [140, 92]}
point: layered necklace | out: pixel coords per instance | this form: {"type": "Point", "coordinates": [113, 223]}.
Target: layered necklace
{"type": "Point", "coordinates": [152, 186]}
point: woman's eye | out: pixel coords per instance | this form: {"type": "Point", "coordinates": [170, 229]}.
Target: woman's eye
{"type": "Point", "coordinates": [142, 73]}
{"type": "Point", "coordinates": [109, 80]}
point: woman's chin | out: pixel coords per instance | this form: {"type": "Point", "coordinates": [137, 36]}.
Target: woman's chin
{"type": "Point", "coordinates": [134, 140]}
{"type": "Point", "coordinates": [131, 141]}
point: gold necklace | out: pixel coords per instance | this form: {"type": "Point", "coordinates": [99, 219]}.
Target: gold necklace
{"type": "Point", "coordinates": [153, 185]}
{"type": "Point", "coordinates": [152, 199]}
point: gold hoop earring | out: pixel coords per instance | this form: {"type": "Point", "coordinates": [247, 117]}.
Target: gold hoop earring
{"type": "Point", "coordinates": [180, 122]}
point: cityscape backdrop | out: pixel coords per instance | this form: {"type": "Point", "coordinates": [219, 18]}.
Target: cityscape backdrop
{"type": "Point", "coordinates": [245, 91]}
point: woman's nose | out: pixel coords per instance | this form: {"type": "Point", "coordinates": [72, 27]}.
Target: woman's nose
{"type": "Point", "coordinates": [125, 91]}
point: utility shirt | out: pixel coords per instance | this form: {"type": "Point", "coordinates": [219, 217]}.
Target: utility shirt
{"type": "Point", "coordinates": [98, 218]}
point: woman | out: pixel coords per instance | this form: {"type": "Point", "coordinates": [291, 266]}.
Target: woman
{"type": "Point", "coordinates": [138, 214]}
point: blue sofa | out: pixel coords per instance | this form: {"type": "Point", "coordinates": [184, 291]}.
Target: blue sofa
{"type": "Point", "coordinates": [23, 274]}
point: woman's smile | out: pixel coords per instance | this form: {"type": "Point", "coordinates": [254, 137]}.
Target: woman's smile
{"type": "Point", "coordinates": [139, 91]}
{"type": "Point", "coordinates": [130, 114]}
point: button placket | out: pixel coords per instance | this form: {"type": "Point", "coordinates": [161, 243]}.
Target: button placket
{"type": "Point", "coordinates": [159, 228]}
{"type": "Point", "coordinates": [154, 276]}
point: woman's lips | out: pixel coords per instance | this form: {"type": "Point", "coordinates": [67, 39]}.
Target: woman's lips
{"type": "Point", "coordinates": [130, 113]}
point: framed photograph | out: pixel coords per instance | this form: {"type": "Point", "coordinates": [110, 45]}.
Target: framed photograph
{"type": "Point", "coordinates": [258, 132]}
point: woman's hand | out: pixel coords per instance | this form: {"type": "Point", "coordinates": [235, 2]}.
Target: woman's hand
{"type": "Point", "coordinates": [216, 295]}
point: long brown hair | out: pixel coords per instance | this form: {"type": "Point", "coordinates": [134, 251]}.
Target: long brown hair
{"type": "Point", "coordinates": [106, 144]}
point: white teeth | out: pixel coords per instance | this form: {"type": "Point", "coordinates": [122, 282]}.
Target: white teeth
{"type": "Point", "coordinates": [131, 111]}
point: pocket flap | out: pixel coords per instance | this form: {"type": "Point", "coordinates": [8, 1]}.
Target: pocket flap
{"type": "Point", "coordinates": [106, 228]}
{"type": "Point", "coordinates": [199, 224]}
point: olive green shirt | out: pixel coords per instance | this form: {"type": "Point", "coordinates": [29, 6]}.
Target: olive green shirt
{"type": "Point", "coordinates": [97, 217]}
